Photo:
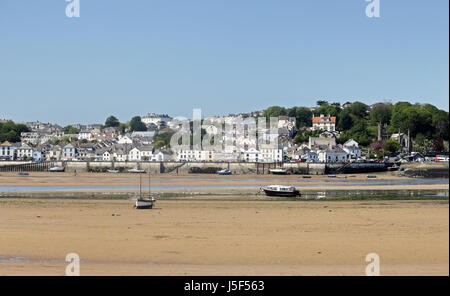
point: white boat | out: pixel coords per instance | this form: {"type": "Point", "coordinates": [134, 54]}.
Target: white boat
{"type": "Point", "coordinates": [136, 170]}
{"type": "Point", "coordinates": [144, 202]}
{"type": "Point", "coordinates": [278, 171]}
{"type": "Point", "coordinates": [113, 171]}
{"type": "Point", "coordinates": [55, 169]}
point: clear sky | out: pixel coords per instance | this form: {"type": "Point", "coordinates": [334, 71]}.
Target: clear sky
{"type": "Point", "coordinates": [131, 57]}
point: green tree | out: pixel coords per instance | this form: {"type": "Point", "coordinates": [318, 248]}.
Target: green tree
{"type": "Point", "coordinates": [70, 130]}
{"type": "Point", "coordinates": [392, 146]}
{"type": "Point", "coordinates": [112, 121]}
{"type": "Point", "coordinates": [381, 113]}
{"type": "Point", "coordinates": [137, 125]}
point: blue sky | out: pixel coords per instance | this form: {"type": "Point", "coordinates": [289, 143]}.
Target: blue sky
{"type": "Point", "coordinates": [132, 57]}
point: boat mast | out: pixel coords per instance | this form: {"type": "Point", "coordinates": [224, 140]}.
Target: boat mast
{"type": "Point", "coordinates": [140, 187]}
{"type": "Point", "coordinates": [148, 180]}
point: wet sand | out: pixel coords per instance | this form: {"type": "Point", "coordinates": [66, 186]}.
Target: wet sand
{"type": "Point", "coordinates": [199, 183]}
{"type": "Point", "coordinates": [224, 237]}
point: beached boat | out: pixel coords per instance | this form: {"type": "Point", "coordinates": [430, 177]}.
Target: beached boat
{"type": "Point", "coordinates": [393, 168]}
{"type": "Point", "coordinates": [278, 171]}
{"type": "Point", "coordinates": [143, 202]}
{"type": "Point", "coordinates": [23, 174]}
{"type": "Point", "coordinates": [224, 172]}
{"type": "Point", "coordinates": [136, 171]}
{"type": "Point", "coordinates": [280, 190]}
{"type": "Point", "coordinates": [56, 169]}
{"type": "Point", "coordinates": [113, 171]}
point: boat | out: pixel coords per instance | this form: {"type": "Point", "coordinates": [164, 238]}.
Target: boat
{"type": "Point", "coordinates": [23, 174]}
{"type": "Point", "coordinates": [306, 177]}
{"type": "Point", "coordinates": [224, 172]}
{"type": "Point", "coordinates": [280, 190]}
{"type": "Point", "coordinates": [371, 177]}
{"type": "Point", "coordinates": [331, 176]}
{"type": "Point", "coordinates": [341, 177]}
{"type": "Point", "coordinates": [393, 168]}
{"type": "Point", "coordinates": [144, 202]}
{"type": "Point", "coordinates": [56, 169]}
{"type": "Point", "coordinates": [136, 171]}
{"type": "Point", "coordinates": [278, 171]}
{"type": "Point", "coordinates": [113, 171]}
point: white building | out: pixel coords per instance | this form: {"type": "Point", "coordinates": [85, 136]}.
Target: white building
{"type": "Point", "coordinates": [6, 151]}
{"type": "Point", "coordinates": [156, 119]}
{"type": "Point", "coordinates": [326, 123]}
{"type": "Point", "coordinates": [333, 155]}
{"type": "Point", "coordinates": [69, 152]}
{"type": "Point", "coordinates": [351, 147]}
{"type": "Point", "coordinates": [24, 152]}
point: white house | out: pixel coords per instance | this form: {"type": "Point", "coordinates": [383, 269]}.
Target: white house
{"type": "Point", "coordinates": [160, 156]}
{"type": "Point", "coordinates": [144, 152]}
{"type": "Point", "coordinates": [125, 140]}
{"type": "Point", "coordinates": [270, 154]}
{"type": "Point", "coordinates": [24, 152]}
{"type": "Point", "coordinates": [326, 123]}
{"type": "Point", "coordinates": [6, 151]}
{"type": "Point", "coordinates": [251, 155]}
{"type": "Point", "coordinates": [69, 152]}
{"type": "Point", "coordinates": [335, 154]}
{"type": "Point", "coordinates": [85, 135]}
{"type": "Point", "coordinates": [351, 147]}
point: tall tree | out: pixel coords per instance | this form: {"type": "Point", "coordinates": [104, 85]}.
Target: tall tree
{"type": "Point", "coordinates": [112, 121]}
{"type": "Point", "coordinates": [137, 125]}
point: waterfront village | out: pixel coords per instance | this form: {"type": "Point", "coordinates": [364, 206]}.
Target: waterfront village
{"type": "Point", "coordinates": [312, 137]}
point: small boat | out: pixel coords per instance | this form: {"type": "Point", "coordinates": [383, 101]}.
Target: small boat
{"type": "Point", "coordinates": [341, 177]}
{"type": "Point", "coordinates": [224, 172]}
{"type": "Point", "coordinates": [113, 171]}
{"type": "Point", "coordinates": [144, 202]}
{"type": "Point", "coordinates": [393, 168]}
{"type": "Point", "coordinates": [23, 174]}
{"type": "Point", "coordinates": [280, 190]}
{"type": "Point", "coordinates": [56, 169]}
{"type": "Point", "coordinates": [331, 176]}
{"type": "Point", "coordinates": [371, 177]}
{"type": "Point", "coordinates": [136, 170]}
{"type": "Point", "coordinates": [278, 171]}
{"type": "Point", "coordinates": [306, 177]}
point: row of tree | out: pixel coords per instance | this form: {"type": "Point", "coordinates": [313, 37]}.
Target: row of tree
{"type": "Point", "coordinates": [359, 121]}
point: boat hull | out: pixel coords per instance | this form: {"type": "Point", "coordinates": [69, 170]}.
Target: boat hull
{"type": "Point", "coordinates": [269, 192]}
{"type": "Point", "coordinates": [144, 204]}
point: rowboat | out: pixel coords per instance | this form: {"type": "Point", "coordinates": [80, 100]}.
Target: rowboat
{"type": "Point", "coordinates": [136, 171]}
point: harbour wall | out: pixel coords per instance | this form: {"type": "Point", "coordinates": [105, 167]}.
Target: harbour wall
{"type": "Point", "coordinates": [238, 168]}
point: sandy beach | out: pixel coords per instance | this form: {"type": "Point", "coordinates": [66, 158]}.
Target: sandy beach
{"type": "Point", "coordinates": [223, 237]}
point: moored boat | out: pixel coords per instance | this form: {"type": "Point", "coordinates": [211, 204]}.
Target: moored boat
{"type": "Point", "coordinates": [280, 190]}
{"type": "Point", "coordinates": [56, 169]}
{"type": "Point", "coordinates": [136, 171]}
{"type": "Point", "coordinates": [224, 172]}
{"type": "Point", "coordinates": [278, 171]}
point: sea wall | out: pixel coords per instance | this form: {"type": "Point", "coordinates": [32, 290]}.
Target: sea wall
{"type": "Point", "coordinates": [425, 170]}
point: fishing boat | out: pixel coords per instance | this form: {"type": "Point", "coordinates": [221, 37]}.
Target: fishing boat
{"type": "Point", "coordinates": [56, 169]}
{"type": "Point", "coordinates": [144, 202]}
{"type": "Point", "coordinates": [278, 171]}
{"type": "Point", "coordinates": [280, 190]}
{"type": "Point", "coordinates": [136, 171]}
{"type": "Point", "coordinates": [224, 172]}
